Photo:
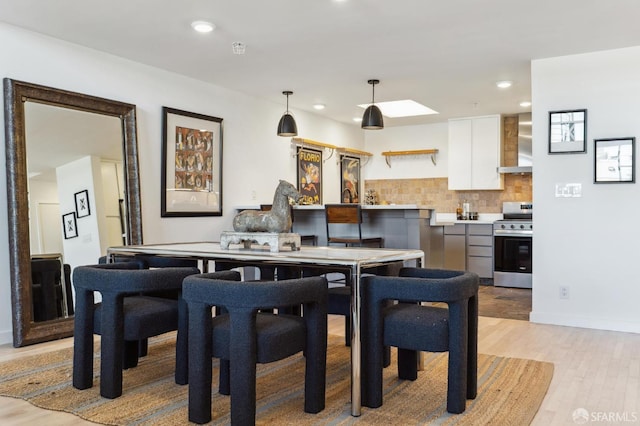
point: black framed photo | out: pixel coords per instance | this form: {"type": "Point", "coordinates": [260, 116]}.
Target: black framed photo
{"type": "Point", "coordinates": [191, 164]}
{"type": "Point", "coordinates": [69, 225]}
{"type": "Point", "coordinates": [349, 179]}
{"type": "Point", "coordinates": [568, 131]}
{"type": "Point", "coordinates": [82, 204]}
{"type": "Point", "coordinates": [615, 160]}
{"type": "Point", "coordinates": [309, 175]}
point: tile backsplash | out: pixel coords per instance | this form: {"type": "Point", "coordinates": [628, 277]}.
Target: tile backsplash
{"type": "Point", "coordinates": [434, 192]}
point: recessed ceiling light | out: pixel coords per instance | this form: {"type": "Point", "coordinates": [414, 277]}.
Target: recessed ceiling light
{"type": "Point", "coordinates": [525, 104]}
{"type": "Point", "coordinates": [504, 84]}
{"type": "Point", "coordinates": [202, 26]}
{"type": "Point", "coordinates": [357, 119]}
{"type": "Point", "coordinates": [404, 108]}
{"type": "Point", "coordinates": [319, 106]}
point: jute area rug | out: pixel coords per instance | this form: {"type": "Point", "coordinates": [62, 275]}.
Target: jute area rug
{"type": "Point", "coordinates": [510, 391]}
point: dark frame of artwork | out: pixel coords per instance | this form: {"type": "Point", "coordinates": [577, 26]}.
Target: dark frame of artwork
{"type": "Point", "coordinates": [568, 132]}
{"type": "Point", "coordinates": [191, 164]}
{"type": "Point", "coordinates": [614, 160]}
{"type": "Point", "coordinates": [349, 179]}
{"type": "Point", "coordinates": [69, 225]}
{"type": "Point", "coordinates": [83, 208]}
{"type": "Point", "coordinates": [309, 175]}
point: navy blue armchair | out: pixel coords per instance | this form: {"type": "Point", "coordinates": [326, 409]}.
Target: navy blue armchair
{"type": "Point", "coordinates": [411, 327]}
{"type": "Point", "coordinates": [244, 336]}
{"type": "Point", "coordinates": [125, 316]}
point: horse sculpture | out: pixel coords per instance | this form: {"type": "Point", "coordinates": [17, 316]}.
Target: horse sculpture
{"type": "Point", "coordinates": [277, 220]}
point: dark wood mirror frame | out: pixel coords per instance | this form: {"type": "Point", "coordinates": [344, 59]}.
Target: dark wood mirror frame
{"type": "Point", "coordinates": [16, 93]}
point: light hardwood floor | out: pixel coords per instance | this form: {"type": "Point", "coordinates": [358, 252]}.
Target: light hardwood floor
{"type": "Point", "coordinates": [595, 370]}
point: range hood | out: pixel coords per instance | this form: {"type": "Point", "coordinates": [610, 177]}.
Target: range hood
{"type": "Point", "coordinates": [524, 147]}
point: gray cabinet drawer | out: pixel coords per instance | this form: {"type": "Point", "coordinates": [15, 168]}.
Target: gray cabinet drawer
{"type": "Point", "coordinates": [483, 266]}
{"type": "Point", "coordinates": [480, 251]}
{"type": "Point", "coordinates": [477, 240]}
{"type": "Point", "coordinates": [480, 229]}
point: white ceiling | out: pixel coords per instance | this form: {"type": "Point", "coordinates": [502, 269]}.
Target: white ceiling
{"type": "Point", "coordinates": [446, 54]}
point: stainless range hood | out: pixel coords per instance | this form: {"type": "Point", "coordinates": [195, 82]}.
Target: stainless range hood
{"type": "Point", "coordinates": [524, 147]}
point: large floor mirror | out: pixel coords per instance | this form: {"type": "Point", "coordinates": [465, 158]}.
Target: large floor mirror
{"type": "Point", "coordinates": [83, 149]}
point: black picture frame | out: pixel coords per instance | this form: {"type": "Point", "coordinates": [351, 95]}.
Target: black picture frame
{"type": "Point", "coordinates": [69, 225]}
{"type": "Point", "coordinates": [309, 175]}
{"type": "Point", "coordinates": [349, 179]}
{"type": "Point", "coordinates": [614, 160]}
{"type": "Point", "coordinates": [191, 164]}
{"type": "Point", "coordinates": [83, 208]}
{"type": "Point", "coordinates": [568, 131]}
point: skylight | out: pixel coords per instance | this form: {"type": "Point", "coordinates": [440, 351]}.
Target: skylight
{"type": "Point", "coordinates": [404, 108]}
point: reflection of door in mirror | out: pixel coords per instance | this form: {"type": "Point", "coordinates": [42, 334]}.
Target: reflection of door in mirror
{"type": "Point", "coordinates": [74, 163]}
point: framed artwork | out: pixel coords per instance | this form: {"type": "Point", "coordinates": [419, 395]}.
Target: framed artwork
{"type": "Point", "coordinates": [615, 160]}
{"type": "Point", "coordinates": [349, 179]}
{"type": "Point", "coordinates": [82, 204]}
{"type": "Point", "coordinates": [191, 164]}
{"type": "Point", "coordinates": [309, 175]}
{"type": "Point", "coordinates": [568, 131]}
{"type": "Point", "coordinates": [69, 225]}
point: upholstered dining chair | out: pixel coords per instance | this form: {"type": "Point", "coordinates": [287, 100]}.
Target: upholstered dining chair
{"type": "Point", "coordinates": [412, 327]}
{"type": "Point", "coordinates": [125, 316]}
{"type": "Point", "coordinates": [244, 336]}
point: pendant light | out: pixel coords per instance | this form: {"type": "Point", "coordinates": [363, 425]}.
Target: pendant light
{"type": "Point", "coordinates": [372, 118]}
{"type": "Point", "coordinates": [287, 125]}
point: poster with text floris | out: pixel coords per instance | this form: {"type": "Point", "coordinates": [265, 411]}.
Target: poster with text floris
{"type": "Point", "coordinates": [309, 175]}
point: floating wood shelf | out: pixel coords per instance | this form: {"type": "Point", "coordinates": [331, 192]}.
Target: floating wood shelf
{"type": "Point", "coordinates": [389, 154]}
{"type": "Point", "coordinates": [314, 144]}
{"type": "Point", "coordinates": [309, 142]}
{"type": "Point", "coordinates": [354, 152]}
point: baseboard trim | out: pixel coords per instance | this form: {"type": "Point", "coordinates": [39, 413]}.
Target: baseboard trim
{"type": "Point", "coordinates": [584, 322]}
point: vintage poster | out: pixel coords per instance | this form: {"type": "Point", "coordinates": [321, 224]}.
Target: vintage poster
{"type": "Point", "coordinates": [310, 176]}
{"type": "Point", "coordinates": [192, 172]}
{"type": "Point", "coordinates": [349, 179]}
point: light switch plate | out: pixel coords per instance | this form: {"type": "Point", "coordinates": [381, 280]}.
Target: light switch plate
{"type": "Point", "coordinates": [568, 190]}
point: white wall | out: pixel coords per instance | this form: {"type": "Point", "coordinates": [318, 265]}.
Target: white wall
{"type": "Point", "coordinates": [407, 138]}
{"type": "Point", "coordinates": [73, 177]}
{"type": "Point", "coordinates": [254, 156]}
{"type": "Point", "coordinates": [589, 244]}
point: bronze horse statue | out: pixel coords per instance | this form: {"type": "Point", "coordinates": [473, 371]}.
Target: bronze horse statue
{"type": "Point", "coordinates": [277, 220]}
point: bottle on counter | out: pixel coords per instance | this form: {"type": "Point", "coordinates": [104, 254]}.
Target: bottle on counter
{"type": "Point", "coordinates": [459, 212]}
{"type": "Point", "coordinates": [465, 210]}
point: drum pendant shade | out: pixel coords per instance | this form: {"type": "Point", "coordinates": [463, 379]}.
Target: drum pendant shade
{"type": "Point", "coordinates": [287, 125]}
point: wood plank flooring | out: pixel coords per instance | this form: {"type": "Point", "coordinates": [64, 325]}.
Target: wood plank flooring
{"type": "Point", "coordinates": [595, 370]}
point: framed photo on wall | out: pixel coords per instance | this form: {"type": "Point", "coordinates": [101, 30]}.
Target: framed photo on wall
{"type": "Point", "coordinates": [568, 131]}
{"type": "Point", "coordinates": [69, 225]}
{"type": "Point", "coordinates": [82, 203]}
{"type": "Point", "coordinates": [309, 175]}
{"type": "Point", "coordinates": [349, 179]}
{"type": "Point", "coordinates": [615, 160]}
{"type": "Point", "coordinates": [191, 164]}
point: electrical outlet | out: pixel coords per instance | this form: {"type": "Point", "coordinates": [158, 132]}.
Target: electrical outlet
{"type": "Point", "coordinates": [253, 195]}
{"type": "Point", "coordinates": [564, 292]}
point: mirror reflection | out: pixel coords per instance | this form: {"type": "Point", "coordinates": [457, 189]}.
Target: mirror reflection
{"type": "Point", "coordinates": [76, 198]}
{"type": "Point", "coordinates": [89, 144]}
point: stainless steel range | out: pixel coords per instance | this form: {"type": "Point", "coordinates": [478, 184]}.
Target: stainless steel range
{"type": "Point", "coordinates": [512, 245]}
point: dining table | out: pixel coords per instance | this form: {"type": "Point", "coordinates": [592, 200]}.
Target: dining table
{"type": "Point", "coordinates": [352, 259]}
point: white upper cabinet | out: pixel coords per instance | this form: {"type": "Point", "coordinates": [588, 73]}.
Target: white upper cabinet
{"type": "Point", "coordinates": [475, 153]}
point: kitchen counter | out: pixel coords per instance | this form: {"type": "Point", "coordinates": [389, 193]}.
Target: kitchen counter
{"type": "Point", "coordinates": [403, 226]}
{"type": "Point", "coordinates": [448, 219]}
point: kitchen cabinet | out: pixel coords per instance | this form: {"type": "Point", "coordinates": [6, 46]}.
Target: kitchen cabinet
{"type": "Point", "coordinates": [480, 250]}
{"type": "Point", "coordinates": [455, 247]}
{"type": "Point", "coordinates": [469, 247]}
{"type": "Point", "coordinates": [475, 151]}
